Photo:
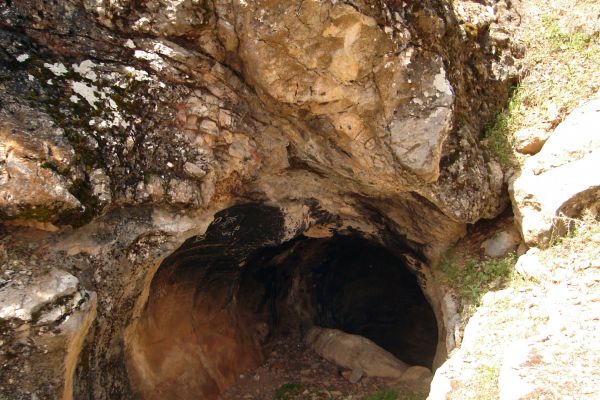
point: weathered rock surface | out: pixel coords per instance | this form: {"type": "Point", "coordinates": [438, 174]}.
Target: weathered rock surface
{"type": "Point", "coordinates": [531, 140]}
{"type": "Point", "coordinates": [530, 266]}
{"type": "Point", "coordinates": [354, 352]}
{"type": "Point", "coordinates": [21, 299]}
{"type": "Point", "coordinates": [363, 97]}
{"type": "Point", "coordinates": [33, 152]}
{"type": "Point", "coordinates": [560, 180]}
{"type": "Point", "coordinates": [134, 123]}
{"type": "Point", "coordinates": [534, 340]}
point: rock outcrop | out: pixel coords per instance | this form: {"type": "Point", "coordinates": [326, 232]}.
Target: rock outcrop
{"type": "Point", "coordinates": [561, 180]}
{"type": "Point", "coordinates": [40, 291]}
{"type": "Point", "coordinates": [34, 157]}
{"type": "Point", "coordinates": [127, 126]}
{"type": "Point", "coordinates": [186, 104]}
{"type": "Point", "coordinates": [523, 341]}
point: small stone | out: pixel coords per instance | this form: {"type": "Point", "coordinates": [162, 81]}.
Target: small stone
{"type": "Point", "coordinates": [502, 243]}
{"type": "Point", "coordinates": [183, 192]}
{"type": "Point", "coordinates": [101, 186]}
{"type": "Point", "coordinates": [153, 189]}
{"type": "Point", "coordinates": [129, 142]}
{"type": "Point", "coordinates": [194, 170]}
{"type": "Point", "coordinates": [356, 375]}
{"type": "Point", "coordinates": [209, 126]}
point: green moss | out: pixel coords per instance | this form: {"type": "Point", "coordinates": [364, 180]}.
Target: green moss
{"type": "Point", "coordinates": [287, 391]}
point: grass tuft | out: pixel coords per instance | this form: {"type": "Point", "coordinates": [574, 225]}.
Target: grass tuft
{"type": "Point", "coordinates": [382, 395]}
{"type": "Point", "coordinates": [474, 278]}
{"type": "Point", "coordinates": [485, 382]}
{"type": "Point", "coordinates": [499, 136]}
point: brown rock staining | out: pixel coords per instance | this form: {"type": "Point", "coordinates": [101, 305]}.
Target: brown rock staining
{"type": "Point", "coordinates": [243, 129]}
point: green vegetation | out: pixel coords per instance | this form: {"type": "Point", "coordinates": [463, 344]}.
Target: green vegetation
{"type": "Point", "coordinates": [287, 391]}
{"type": "Point", "coordinates": [498, 137]}
{"type": "Point", "coordinates": [558, 62]}
{"type": "Point", "coordinates": [560, 40]}
{"type": "Point", "coordinates": [485, 382]}
{"type": "Point", "coordinates": [412, 396]}
{"type": "Point", "coordinates": [382, 395]}
{"type": "Point", "coordinates": [474, 278]}
{"type": "Point", "coordinates": [394, 395]}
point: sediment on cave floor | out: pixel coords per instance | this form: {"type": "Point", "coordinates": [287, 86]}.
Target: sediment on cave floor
{"type": "Point", "coordinates": [233, 321]}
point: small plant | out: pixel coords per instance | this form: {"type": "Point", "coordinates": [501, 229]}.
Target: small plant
{"type": "Point", "coordinates": [573, 234]}
{"type": "Point", "coordinates": [499, 136]}
{"type": "Point", "coordinates": [485, 382]}
{"type": "Point", "coordinates": [413, 396]}
{"type": "Point", "coordinates": [561, 40]}
{"type": "Point", "coordinates": [382, 395]}
{"type": "Point", "coordinates": [287, 391]}
{"type": "Point", "coordinates": [473, 279]}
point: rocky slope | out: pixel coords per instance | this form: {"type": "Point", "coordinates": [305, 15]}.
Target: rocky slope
{"type": "Point", "coordinates": [538, 337]}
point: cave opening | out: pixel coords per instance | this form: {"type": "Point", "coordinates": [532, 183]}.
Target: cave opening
{"type": "Point", "coordinates": [216, 304]}
{"type": "Point", "coordinates": [346, 283]}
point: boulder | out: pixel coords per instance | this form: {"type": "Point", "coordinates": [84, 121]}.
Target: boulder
{"type": "Point", "coordinates": [354, 352]}
{"type": "Point", "coordinates": [501, 243]}
{"type": "Point", "coordinates": [562, 178]}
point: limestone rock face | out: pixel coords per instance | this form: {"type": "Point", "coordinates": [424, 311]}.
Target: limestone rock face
{"type": "Point", "coordinates": [129, 125]}
{"type": "Point", "coordinates": [561, 179]}
{"type": "Point", "coordinates": [336, 64]}
{"type": "Point", "coordinates": [354, 352]}
{"type": "Point", "coordinates": [32, 152]}
{"type": "Point", "coordinates": [20, 301]}
{"type": "Point", "coordinates": [233, 98]}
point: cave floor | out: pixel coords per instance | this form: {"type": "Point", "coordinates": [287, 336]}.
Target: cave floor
{"type": "Point", "coordinates": [292, 371]}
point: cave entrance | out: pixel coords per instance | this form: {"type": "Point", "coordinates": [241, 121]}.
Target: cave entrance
{"type": "Point", "coordinates": [346, 283]}
{"type": "Point", "coordinates": [216, 303]}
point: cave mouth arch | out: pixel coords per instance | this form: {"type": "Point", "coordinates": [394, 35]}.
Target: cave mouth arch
{"type": "Point", "coordinates": [215, 303]}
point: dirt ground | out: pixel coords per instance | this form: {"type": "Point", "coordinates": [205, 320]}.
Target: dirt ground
{"type": "Point", "coordinates": [293, 371]}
